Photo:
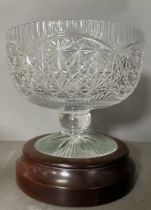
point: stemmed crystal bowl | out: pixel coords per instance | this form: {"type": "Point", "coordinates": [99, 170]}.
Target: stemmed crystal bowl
{"type": "Point", "coordinates": [75, 66]}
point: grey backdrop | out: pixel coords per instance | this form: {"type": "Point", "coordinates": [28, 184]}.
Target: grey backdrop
{"type": "Point", "coordinates": [20, 120]}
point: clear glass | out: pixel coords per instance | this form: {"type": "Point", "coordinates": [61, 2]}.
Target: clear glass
{"type": "Point", "coordinates": [75, 66]}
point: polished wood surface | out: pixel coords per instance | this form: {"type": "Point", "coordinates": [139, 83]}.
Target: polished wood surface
{"type": "Point", "coordinates": [75, 182]}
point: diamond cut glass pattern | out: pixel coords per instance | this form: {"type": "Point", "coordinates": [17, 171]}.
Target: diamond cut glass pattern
{"type": "Point", "coordinates": [75, 65]}
{"type": "Point", "coordinates": [66, 61]}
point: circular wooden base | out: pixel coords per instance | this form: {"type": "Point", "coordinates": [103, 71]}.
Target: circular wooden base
{"type": "Point", "coordinates": [75, 182]}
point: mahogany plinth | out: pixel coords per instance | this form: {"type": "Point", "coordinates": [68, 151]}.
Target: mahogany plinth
{"type": "Point", "coordinates": [75, 182]}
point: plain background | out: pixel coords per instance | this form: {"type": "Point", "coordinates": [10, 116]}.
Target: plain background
{"type": "Point", "coordinates": [21, 120]}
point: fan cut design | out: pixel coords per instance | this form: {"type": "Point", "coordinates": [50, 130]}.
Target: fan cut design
{"type": "Point", "coordinates": [60, 64]}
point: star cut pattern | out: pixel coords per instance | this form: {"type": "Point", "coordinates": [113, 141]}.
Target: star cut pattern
{"type": "Point", "coordinates": [75, 68]}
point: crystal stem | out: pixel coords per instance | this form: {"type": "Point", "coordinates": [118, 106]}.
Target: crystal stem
{"type": "Point", "coordinates": [74, 122]}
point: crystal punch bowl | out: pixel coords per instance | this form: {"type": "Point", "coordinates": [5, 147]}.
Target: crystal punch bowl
{"type": "Point", "coordinates": [75, 66]}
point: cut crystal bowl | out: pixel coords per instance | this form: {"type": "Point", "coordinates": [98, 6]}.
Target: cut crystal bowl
{"type": "Point", "coordinates": [75, 66]}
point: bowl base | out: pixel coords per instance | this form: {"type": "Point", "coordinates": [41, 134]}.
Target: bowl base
{"type": "Point", "coordinates": [81, 145]}
{"type": "Point", "coordinates": [75, 182]}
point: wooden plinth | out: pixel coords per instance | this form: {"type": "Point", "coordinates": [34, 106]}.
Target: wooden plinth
{"type": "Point", "coordinates": [75, 182]}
